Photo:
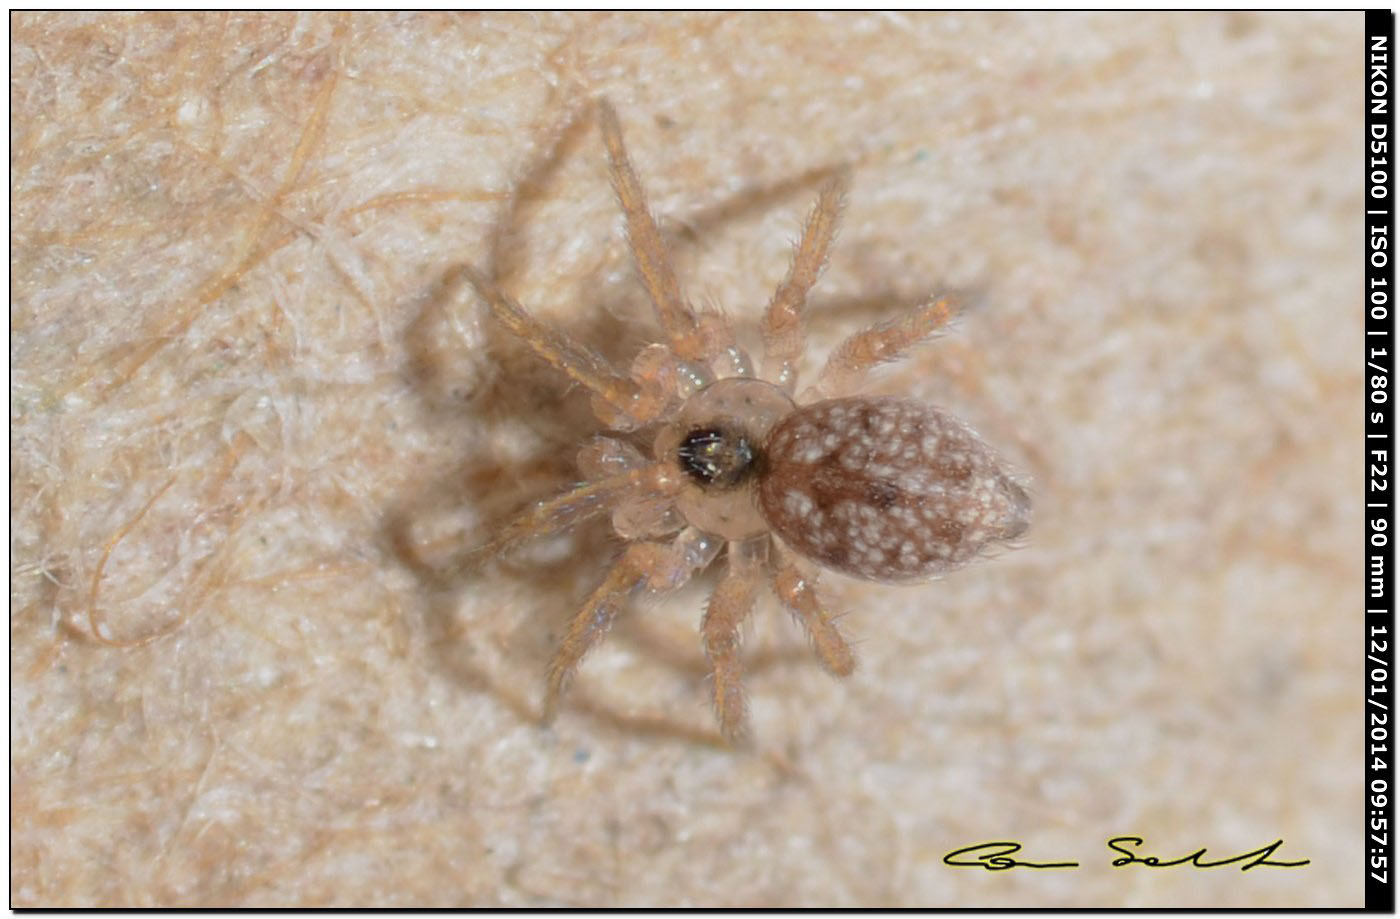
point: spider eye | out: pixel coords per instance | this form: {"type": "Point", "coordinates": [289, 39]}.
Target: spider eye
{"type": "Point", "coordinates": [717, 456]}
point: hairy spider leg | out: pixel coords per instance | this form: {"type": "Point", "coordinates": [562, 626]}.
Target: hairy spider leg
{"type": "Point", "coordinates": [797, 593]}
{"type": "Point", "coordinates": [585, 367]}
{"type": "Point", "coordinates": [646, 513]}
{"type": "Point", "coordinates": [879, 344]}
{"type": "Point", "coordinates": [591, 623]}
{"type": "Point", "coordinates": [783, 333]}
{"type": "Point", "coordinates": [606, 456]}
{"type": "Point", "coordinates": [731, 604]}
{"type": "Point", "coordinates": [655, 567]}
{"type": "Point", "coordinates": [573, 507]}
{"type": "Point", "coordinates": [690, 338]}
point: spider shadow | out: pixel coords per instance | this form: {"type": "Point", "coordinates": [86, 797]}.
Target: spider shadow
{"type": "Point", "coordinates": [517, 392]}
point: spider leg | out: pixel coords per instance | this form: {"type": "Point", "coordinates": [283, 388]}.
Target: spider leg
{"type": "Point", "coordinates": [658, 376]}
{"type": "Point", "coordinates": [797, 593]}
{"type": "Point", "coordinates": [657, 567]}
{"type": "Point", "coordinates": [782, 323]}
{"type": "Point", "coordinates": [645, 513]}
{"type": "Point", "coordinates": [592, 622]}
{"type": "Point", "coordinates": [731, 604]}
{"type": "Point", "coordinates": [573, 507]}
{"type": "Point", "coordinates": [883, 342]}
{"type": "Point", "coordinates": [691, 338]}
{"type": "Point", "coordinates": [619, 394]}
{"type": "Point", "coordinates": [605, 456]}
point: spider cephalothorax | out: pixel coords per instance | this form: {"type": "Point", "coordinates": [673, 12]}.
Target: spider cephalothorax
{"type": "Point", "coordinates": [881, 488]}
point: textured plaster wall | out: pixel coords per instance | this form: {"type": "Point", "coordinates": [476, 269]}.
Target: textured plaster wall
{"type": "Point", "coordinates": [251, 434]}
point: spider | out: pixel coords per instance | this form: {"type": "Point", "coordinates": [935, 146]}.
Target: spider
{"type": "Point", "coordinates": [878, 488]}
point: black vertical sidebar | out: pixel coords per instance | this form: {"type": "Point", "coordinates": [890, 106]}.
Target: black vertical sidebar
{"type": "Point", "coordinates": [1379, 304]}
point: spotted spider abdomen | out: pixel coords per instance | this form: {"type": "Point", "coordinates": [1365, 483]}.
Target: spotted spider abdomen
{"type": "Point", "coordinates": [886, 489]}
